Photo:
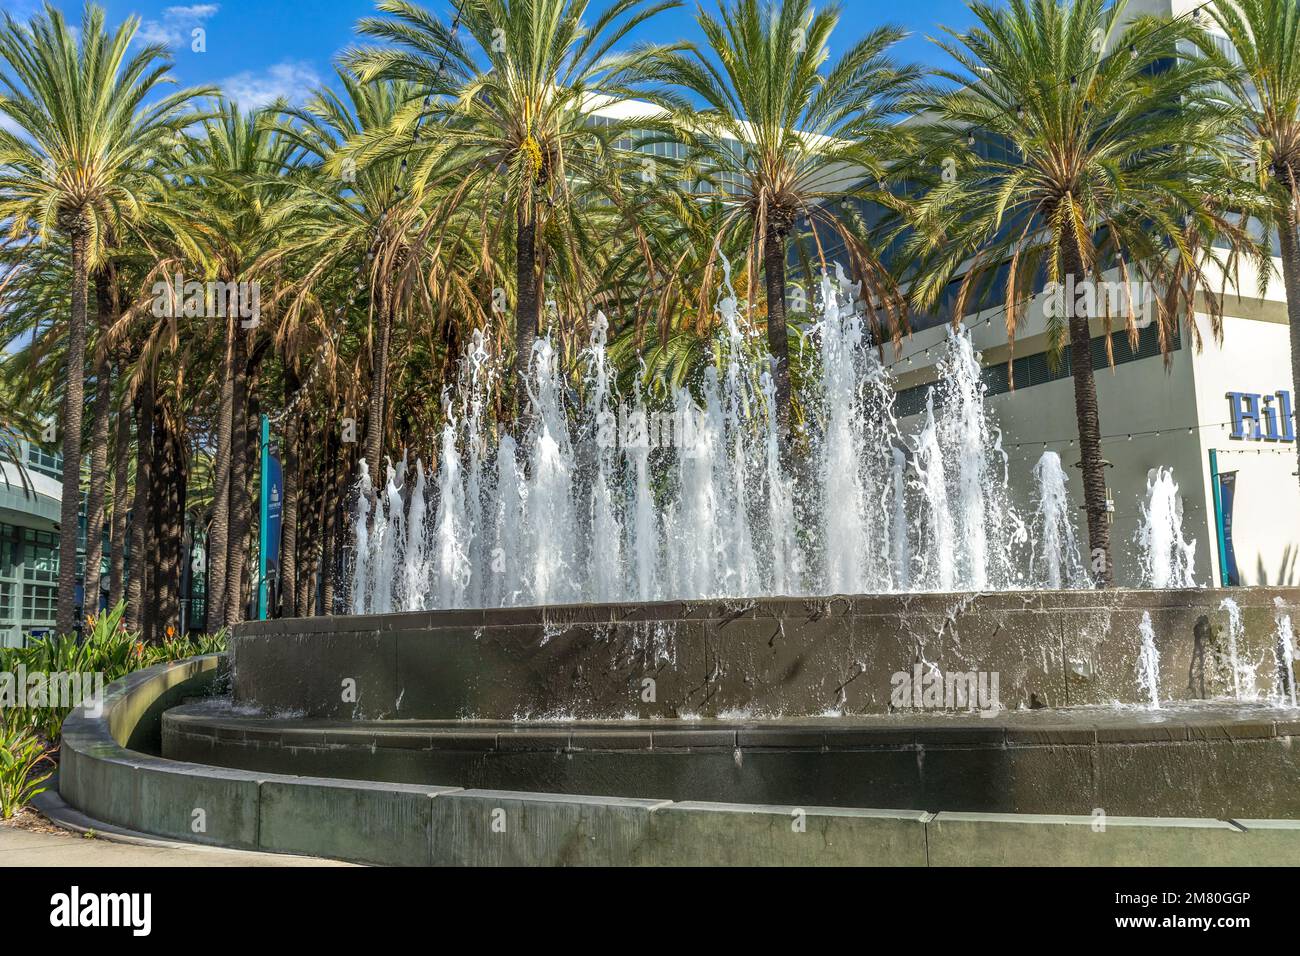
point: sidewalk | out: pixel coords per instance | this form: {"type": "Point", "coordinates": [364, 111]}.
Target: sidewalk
{"type": "Point", "coordinates": [31, 847]}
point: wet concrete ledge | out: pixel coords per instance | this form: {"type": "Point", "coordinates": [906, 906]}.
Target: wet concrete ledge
{"type": "Point", "coordinates": [1188, 761]}
{"type": "Point", "coordinates": [400, 824]}
{"type": "Point", "coordinates": [787, 657]}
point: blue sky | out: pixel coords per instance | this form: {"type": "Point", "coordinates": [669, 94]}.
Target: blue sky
{"type": "Point", "coordinates": [259, 50]}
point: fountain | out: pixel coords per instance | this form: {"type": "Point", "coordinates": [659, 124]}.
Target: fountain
{"type": "Point", "coordinates": [692, 499]}
{"type": "Point", "coordinates": [1167, 556]}
{"type": "Point", "coordinates": [643, 609]}
{"type": "Point", "coordinates": [1285, 653]}
{"type": "Point", "coordinates": [1148, 668]}
{"type": "Point", "coordinates": [1056, 562]}
{"type": "Point", "coordinates": [1241, 670]}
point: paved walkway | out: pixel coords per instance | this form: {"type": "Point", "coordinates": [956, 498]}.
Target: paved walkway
{"type": "Point", "coordinates": [24, 847]}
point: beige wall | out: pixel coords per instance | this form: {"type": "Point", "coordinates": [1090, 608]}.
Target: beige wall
{"type": "Point", "coordinates": [1134, 398]}
{"type": "Point", "coordinates": [1143, 396]}
{"type": "Point", "coordinates": [1255, 357]}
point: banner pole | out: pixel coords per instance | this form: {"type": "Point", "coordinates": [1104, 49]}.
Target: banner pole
{"type": "Point", "coordinates": [1218, 518]}
{"type": "Point", "coordinates": [263, 530]}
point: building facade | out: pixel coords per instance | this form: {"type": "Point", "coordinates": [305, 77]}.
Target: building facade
{"type": "Point", "coordinates": [1221, 417]}
{"type": "Point", "coordinates": [29, 545]}
{"type": "Point", "coordinates": [1218, 412]}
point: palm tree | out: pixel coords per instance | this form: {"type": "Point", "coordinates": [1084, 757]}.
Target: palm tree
{"type": "Point", "coordinates": [90, 122]}
{"type": "Point", "coordinates": [1086, 163]}
{"type": "Point", "coordinates": [787, 138]}
{"type": "Point", "coordinates": [515, 109]}
{"type": "Point", "coordinates": [1264, 75]}
{"type": "Point", "coordinates": [353, 219]}
{"type": "Point", "coordinates": [239, 207]}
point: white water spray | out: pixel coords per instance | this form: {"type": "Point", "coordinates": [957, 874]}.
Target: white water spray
{"type": "Point", "coordinates": [1148, 665]}
{"type": "Point", "coordinates": [1167, 556]}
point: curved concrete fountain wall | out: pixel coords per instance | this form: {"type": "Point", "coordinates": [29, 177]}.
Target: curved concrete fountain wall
{"type": "Point", "coordinates": [102, 775]}
{"type": "Point", "coordinates": [1132, 762]}
{"type": "Point", "coordinates": [764, 657]}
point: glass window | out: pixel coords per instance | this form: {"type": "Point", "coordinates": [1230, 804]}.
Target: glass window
{"type": "Point", "coordinates": [38, 459]}
{"type": "Point", "coordinates": [40, 555]}
{"type": "Point", "coordinates": [40, 603]}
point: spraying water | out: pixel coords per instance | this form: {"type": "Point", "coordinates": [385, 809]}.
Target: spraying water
{"type": "Point", "coordinates": [1148, 665]}
{"type": "Point", "coordinates": [687, 492]}
{"type": "Point", "coordinates": [1055, 562]}
{"type": "Point", "coordinates": [1243, 672]}
{"type": "Point", "coordinates": [1285, 652]}
{"type": "Point", "coordinates": [1167, 556]}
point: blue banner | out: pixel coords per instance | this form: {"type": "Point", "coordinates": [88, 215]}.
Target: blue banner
{"type": "Point", "coordinates": [1227, 494]}
{"type": "Point", "coordinates": [274, 511]}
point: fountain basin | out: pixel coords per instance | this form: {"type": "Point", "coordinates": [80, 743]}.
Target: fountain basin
{"type": "Point", "coordinates": [1188, 760]}
{"type": "Point", "coordinates": [112, 770]}
{"type": "Point", "coordinates": [748, 659]}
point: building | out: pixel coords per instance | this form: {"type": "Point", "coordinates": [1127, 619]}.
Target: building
{"type": "Point", "coordinates": [29, 545]}
{"type": "Point", "coordinates": [1222, 418]}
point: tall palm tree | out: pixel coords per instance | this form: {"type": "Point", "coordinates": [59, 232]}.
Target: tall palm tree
{"type": "Point", "coordinates": [789, 137]}
{"type": "Point", "coordinates": [239, 207]}
{"type": "Point", "coordinates": [354, 219]}
{"type": "Point", "coordinates": [1264, 75]}
{"type": "Point", "coordinates": [514, 108]}
{"type": "Point", "coordinates": [1085, 162]}
{"type": "Point", "coordinates": [90, 120]}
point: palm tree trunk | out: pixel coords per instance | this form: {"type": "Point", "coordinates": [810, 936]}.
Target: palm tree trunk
{"type": "Point", "coordinates": [74, 397]}
{"type": "Point", "coordinates": [331, 522]}
{"type": "Point", "coordinates": [219, 528]}
{"type": "Point", "coordinates": [1290, 249]}
{"type": "Point", "coordinates": [1089, 422]}
{"type": "Point", "coordinates": [327, 559]}
{"type": "Point", "coordinates": [308, 554]}
{"type": "Point", "coordinates": [121, 505]}
{"type": "Point", "coordinates": [104, 296]}
{"type": "Point", "coordinates": [240, 501]}
{"type": "Point", "coordinates": [138, 584]}
{"type": "Point", "coordinates": [153, 539]}
{"type": "Point", "coordinates": [777, 338]}
{"type": "Point", "coordinates": [167, 511]}
{"type": "Point", "coordinates": [310, 542]}
{"type": "Point", "coordinates": [526, 317]}
{"type": "Point", "coordinates": [289, 506]}
{"type": "Point", "coordinates": [378, 385]}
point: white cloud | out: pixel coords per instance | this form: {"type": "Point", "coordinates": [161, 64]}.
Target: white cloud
{"type": "Point", "coordinates": [197, 11]}
{"type": "Point", "coordinates": [290, 80]}
{"type": "Point", "coordinates": [176, 23]}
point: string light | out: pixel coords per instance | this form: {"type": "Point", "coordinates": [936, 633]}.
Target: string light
{"type": "Point", "coordinates": [1282, 449]}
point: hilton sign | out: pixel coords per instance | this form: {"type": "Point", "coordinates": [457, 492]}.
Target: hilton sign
{"type": "Point", "coordinates": [1262, 417]}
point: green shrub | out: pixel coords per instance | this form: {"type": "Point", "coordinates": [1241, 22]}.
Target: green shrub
{"type": "Point", "coordinates": [106, 647]}
{"type": "Point", "coordinates": [21, 753]}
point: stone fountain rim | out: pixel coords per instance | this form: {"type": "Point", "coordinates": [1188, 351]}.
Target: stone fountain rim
{"type": "Point", "coordinates": [105, 779]}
